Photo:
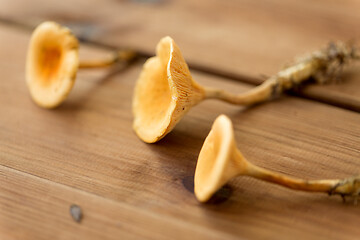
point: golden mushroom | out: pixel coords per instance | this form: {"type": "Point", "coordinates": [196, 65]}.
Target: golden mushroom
{"type": "Point", "coordinates": [52, 63]}
{"type": "Point", "coordinates": [165, 90]}
{"type": "Point", "coordinates": [220, 160]}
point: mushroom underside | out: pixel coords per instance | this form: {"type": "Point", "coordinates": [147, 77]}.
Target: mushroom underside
{"type": "Point", "coordinates": [153, 103]}
{"type": "Point", "coordinates": [213, 158]}
{"type": "Point", "coordinates": [52, 63]}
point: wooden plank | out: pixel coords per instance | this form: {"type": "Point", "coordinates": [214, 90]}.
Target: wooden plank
{"type": "Point", "coordinates": [239, 39]}
{"type": "Point", "coordinates": [88, 145]}
{"type": "Point", "coordinates": [35, 208]}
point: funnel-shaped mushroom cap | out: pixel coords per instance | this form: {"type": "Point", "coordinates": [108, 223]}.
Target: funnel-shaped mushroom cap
{"type": "Point", "coordinates": [164, 92]}
{"type": "Point", "coordinates": [219, 160]}
{"type": "Point", "coordinates": [51, 64]}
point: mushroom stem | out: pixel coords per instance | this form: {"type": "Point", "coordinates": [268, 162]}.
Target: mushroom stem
{"type": "Point", "coordinates": [321, 65]}
{"type": "Point", "coordinates": [255, 95]}
{"type": "Point", "coordinates": [120, 56]}
{"type": "Point", "coordinates": [343, 187]}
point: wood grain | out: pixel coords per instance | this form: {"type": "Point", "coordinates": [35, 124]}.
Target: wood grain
{"type": "Point", "coordinates": [85, 152]}
{"type": "Point", "coordinates": [238, 39]}
{"type": "Point", "coordinates": [35, 208]}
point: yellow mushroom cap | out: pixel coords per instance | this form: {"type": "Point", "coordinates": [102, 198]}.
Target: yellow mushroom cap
{"type": "Point", "coordinates": [164, 92]}
{"type": "Point", "coordinates": [219, 160]}
{"type": "Point", "coordinates": [51, 64]}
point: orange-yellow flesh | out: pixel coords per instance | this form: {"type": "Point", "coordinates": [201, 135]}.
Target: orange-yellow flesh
{"type": "Point", "coordinates": [158, 96]}
{"type": "Point", "coordinates": [207, 159]}
{"type": "Point", "coordinates": [214, 155]}
{"type": "Point", "coordinates": [49, 63]}
{"type": "Point", "coordinates": [52, 63]}
{"type": "Point", "coordinates": [153, 102]}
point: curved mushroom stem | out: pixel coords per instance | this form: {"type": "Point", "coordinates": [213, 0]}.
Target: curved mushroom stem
{"type": "Point", "coordinates": [120, 56]}
{"type": "Point", "coordinates": [343, 187]}
{"type": "Point", "coordinates": [255, 95]}
{"type": "Point", "coordinates": [321, 65]}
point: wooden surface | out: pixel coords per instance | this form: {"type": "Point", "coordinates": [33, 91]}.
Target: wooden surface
{"type": "Point", "coordinates": [86, 153]}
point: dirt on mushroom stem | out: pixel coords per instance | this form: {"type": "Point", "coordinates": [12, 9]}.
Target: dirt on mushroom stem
{"type": "Point", "coordinates": [348, 187]}
{"type": "Point", "coordinates": [323, 65]}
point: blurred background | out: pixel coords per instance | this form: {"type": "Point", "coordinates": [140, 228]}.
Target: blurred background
{"type": "Point", "coordinates": [245, 37]}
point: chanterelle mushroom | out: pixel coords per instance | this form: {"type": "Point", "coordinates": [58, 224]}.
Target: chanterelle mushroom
{"type": "Point", "coordinates": [52, 63]}
{"type": "Point", "coordinates": [165, 90]}
{"type": "Point", "coordinates": [220, 160]}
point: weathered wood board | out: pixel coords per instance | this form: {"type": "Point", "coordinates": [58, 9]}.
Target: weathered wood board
{"type": "Point", "coordinates": [86, 153]}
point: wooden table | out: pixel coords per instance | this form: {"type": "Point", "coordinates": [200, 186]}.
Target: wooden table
{"type": "Point", "coordinates": [86, 153]}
